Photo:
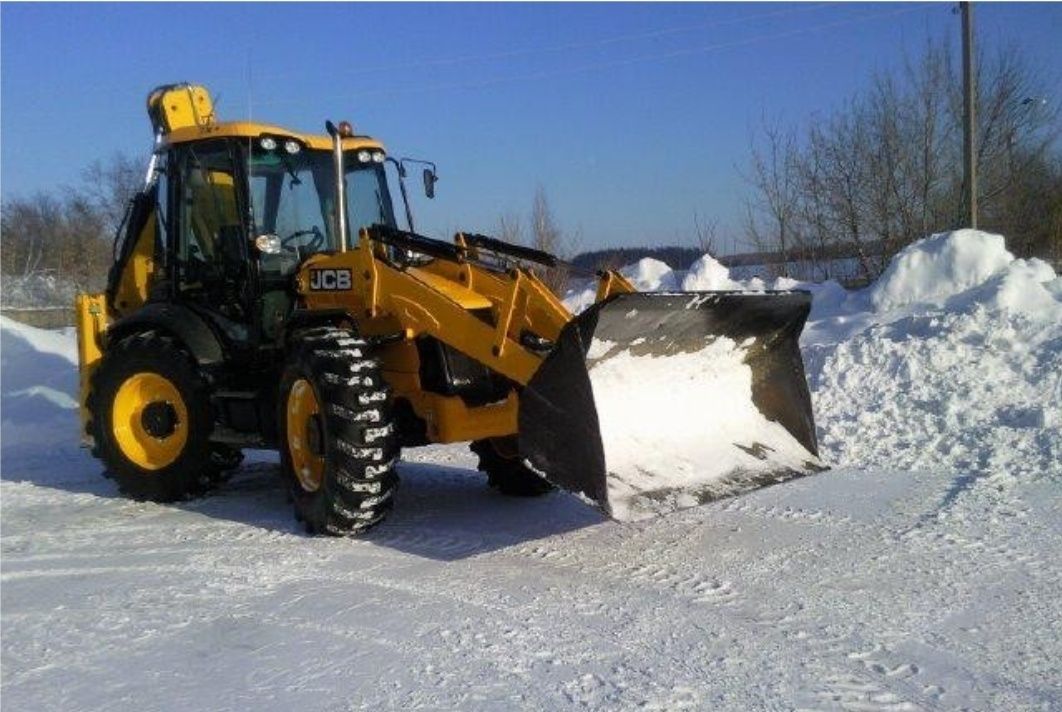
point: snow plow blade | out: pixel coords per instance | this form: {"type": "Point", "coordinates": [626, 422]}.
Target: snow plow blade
{"type": "Point", "coordinates": [654, 402]}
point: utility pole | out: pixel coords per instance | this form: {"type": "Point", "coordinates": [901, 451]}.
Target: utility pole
{"type": "Point", "coordinates": [969, 106]}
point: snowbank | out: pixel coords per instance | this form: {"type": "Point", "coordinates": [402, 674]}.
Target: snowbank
{"type": "Point", "coordinates": [938, 267]}
{"type": "Point", "coordinates": [650, 275]}
{"type": "Point", "coordinates": [38, 386]}
{"type": "Point", "coordinates": [708, 274]}
{"type": "Point", "coordinates": [953, 358]}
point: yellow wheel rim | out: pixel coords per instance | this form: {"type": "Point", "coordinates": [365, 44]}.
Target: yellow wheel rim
{"type": "Point", "coordinates": [307, 458]}
{"type": "Point", "coordinates": [149, 420]}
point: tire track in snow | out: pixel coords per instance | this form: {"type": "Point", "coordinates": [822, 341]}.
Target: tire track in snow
{"type": "Point", "coordinates": [865, 674]}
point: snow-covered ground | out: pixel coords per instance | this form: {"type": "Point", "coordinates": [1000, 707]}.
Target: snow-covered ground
{"type": "Point", "coordinates": [922, 572]}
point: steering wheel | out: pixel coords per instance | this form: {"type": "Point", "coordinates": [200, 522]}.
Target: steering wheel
{"type": "Point", "coordinates": [312, 246]}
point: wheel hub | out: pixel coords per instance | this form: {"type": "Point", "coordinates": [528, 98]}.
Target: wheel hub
{"type": "Point", "coordinates": [159, 419]}
{"type": "Point", "coordinates": [305, 431]}
{"type": "Point", "coordinates": [149, 420]}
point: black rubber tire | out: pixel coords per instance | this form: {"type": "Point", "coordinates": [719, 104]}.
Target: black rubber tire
{"type": "Point", "coordinates": [192, 472]}
{"type": "Point", "coordinates": [224, 459]}
{"type": "Point", "coordinates": [505, 471]}
{"type": "Point", "coordinates": [358, 433]}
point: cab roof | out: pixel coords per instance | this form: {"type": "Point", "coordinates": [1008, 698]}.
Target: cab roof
{"type": "Point", "coordinates": [250, 129]}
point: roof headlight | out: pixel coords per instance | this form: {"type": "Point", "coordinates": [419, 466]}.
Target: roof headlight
{"type": "Point", "coordinates": [364, 156]}
{"type": "Point", "coordinates": [267, 142]}
{"type": "Point", "coordinates": [378, 157]}
{"type": "Point", "coordinates": [292, 147]}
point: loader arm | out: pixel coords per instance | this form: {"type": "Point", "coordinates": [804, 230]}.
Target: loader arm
{"type": "Point", "coordinates": [476, 310]}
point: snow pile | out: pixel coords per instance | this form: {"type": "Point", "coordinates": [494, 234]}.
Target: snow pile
{"type": "Point", "coordinates": [650, 275]}
{"type": "Point", "coordinates": [709, 274]}
{"type": "Point", "coordinates": [938, 267]}
{"type": "Point", "coordinates": [705, 439]}
{"type": "Point", "coordinates": [38, 385]}
{"type": "Point", "coordinates": [959, 365]}
{"type": "Point", "coordinates": [953, 358]}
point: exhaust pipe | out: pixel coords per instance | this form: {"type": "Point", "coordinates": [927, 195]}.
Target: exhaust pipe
{"type": "Point", "coordinates": [337, 135]}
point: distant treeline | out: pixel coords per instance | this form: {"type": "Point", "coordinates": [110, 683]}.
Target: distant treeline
{"type": "Point", "coordinates": [613, 258]}
{"type": "Point", "coordinates": [678, 257]}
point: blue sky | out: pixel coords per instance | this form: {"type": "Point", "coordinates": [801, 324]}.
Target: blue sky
{"type": "Point", "coordinates": [632, 116]}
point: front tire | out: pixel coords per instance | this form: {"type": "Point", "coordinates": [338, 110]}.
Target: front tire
{"type": "Point", "coordinates": [151, 420]}
{"type": "Point", "coordinates": [337, 433]}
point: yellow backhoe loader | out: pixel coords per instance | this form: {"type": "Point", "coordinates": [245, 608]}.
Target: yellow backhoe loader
{"type": "Point", "coordinates": [263, 295]}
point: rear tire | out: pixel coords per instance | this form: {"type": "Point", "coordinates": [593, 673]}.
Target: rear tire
{"type": "Point", "coordinates": [337, 433]}
{"type": "Point", "coordinates": [150, 419]}
{"type": "Point", "coordinates": [499, 459]}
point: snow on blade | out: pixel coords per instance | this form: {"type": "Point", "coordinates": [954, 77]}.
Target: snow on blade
{"type": "Point", "coordinates": [681, 430]}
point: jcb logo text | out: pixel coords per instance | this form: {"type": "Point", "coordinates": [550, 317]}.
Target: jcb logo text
{"type": "Point", "coordinates": [330, 280]}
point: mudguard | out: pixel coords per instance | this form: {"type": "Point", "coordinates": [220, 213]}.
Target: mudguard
{"type": "Point", "coordinates": [183, 323]}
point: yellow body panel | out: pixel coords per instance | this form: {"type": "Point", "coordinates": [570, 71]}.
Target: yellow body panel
{"type": "Point", "coordinates": [135, 281]}
{"type": "Point", "coordinates": [435, 300]}
{"type": "Point", "coordinates": [91, 322]}
{"type": "Point", "coordinates": [250, 130]}
{"type": "Point", "coordinates": [179, 106]}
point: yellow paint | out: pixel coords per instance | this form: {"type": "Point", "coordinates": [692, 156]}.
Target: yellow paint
{"type": "Point", "coordinates": [135, 280]}
{"type": "Point", "coordinates": [612, 282]}
{"type": "Point", "coordinates": [127, 425]}
{"type": "Point", "coordinates": [302, 407]}
{"type": "Point", "coordinates": [180, 106]}
{"type": "Point", "coordinates": [90, 312]}
{"type": "Point", "coordinates": [252, 130]}
{"type": "Point", "coordinates": [464, 296]}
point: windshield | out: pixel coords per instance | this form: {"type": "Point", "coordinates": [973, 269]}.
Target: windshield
{"type": "Point", "coordinates": [293, 197]}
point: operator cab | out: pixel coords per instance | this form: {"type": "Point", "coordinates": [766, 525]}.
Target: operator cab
{"type": "Point", "coordinates": [292, 194]}
{"type": "Point", "coordinates": [230, 211]}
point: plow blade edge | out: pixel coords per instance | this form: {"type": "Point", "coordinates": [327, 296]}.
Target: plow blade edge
{"type": "Point", "coordinates": [653, 402]}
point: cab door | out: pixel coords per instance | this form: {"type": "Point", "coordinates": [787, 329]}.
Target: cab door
{"type": "Point", "coordinates": [211, 250]}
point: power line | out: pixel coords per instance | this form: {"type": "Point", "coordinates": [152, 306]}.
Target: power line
{"type": "Point", "coordinates": [549, 74]}
{"type": "Point", "coordinates": [548, 49]}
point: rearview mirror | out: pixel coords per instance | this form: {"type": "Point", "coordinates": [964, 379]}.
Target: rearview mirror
{"type": "Point", "coordinates": [429, 182]}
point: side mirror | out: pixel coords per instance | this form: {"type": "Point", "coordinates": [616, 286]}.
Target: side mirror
{"type": "Point", "coordinates": [429, 182]}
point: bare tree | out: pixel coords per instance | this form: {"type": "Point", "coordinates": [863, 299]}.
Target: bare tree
{"type": "Point", "coordinates": [547, 237]}
{"type": "Point", "coordinates": [886, 169]}
{"type": "Point", "coordinates": [110, 185]}
{"type": "Point", "coordinates": [771, 215]}
{"type": "Point", "coordinates": [510, 228]}
{"type": "Point", "coordinates": [706, 231]}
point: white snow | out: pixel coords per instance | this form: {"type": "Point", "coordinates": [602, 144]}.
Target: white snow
{"type": "Point", "coordinates": [704, 436]}
{"type": "Point", "coordinates": [938, 267]}
{"type": "Point", "coordinates": [922, 572]}
{"type": "Point", "coordinates": [650, 275]}
{"type": "Point", "coordinates": [708, 274]}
